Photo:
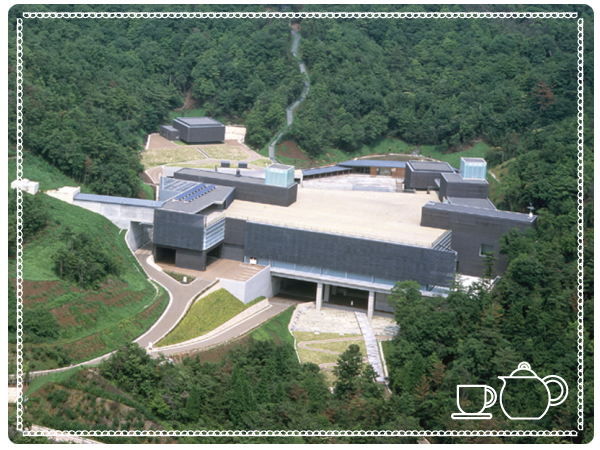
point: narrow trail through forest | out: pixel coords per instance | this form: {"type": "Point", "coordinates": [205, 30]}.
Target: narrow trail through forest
{"type": "Point", "coordinates": [290, 109]}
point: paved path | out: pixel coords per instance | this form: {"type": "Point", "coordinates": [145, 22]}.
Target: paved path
{"type": "Point", "coordinates": [276, 307]}
{"type": "Point", "coordinates": [181, 296]}
{"type": "Point", "coordinates": [293, 106]}
{"type": "Point", "coordinates": [371, 344]}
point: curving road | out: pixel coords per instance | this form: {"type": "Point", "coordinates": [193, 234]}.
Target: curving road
{"type": "Point", "coordinates": [181, 297]}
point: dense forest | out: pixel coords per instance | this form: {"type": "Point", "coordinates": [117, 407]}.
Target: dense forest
{"type": "Point", "coordinates": [93, 88]}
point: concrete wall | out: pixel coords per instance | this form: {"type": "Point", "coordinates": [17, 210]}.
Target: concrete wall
{"type": "Point", "coordinates": [259, 285]}
{"type": "Point", "coordinates": [397, 262]}
{"type": "Point", "coordinates": [120, 215]}
{"type": "Point", "coordinates": [472, 227]}
{"type": "Point", "coordinates": [138, 235]}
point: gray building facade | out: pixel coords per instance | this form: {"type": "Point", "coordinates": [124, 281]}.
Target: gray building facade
{"type": "Point", "coordinates": [336, 255]}
{"type": "Point", "coordinates": [199, 130]}
{"type": "Point", "coordinates": [475, 231]}
{"type": "Point", "coordinates": [425, 174]}
{"type": "Point", "coordinates": [453, 185]}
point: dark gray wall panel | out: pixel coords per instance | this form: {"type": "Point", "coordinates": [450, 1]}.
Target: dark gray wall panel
{"type": "Point", "coordinates": [190, 259]}
{"type": "Point", "coordinates": [235, 231]}
{"type": "Point", "coordinates": [234, 252]}
{"type": "Point", "coordinates": [180, 230]}
{"type": "Point", "coordinates": [463, 189]}
{"type": "Point", "coordinates": [358, 256]}
{"type": "Point", "coordinates": [199, 135]}
{"type": "Point", "coordinates": [470, 230]}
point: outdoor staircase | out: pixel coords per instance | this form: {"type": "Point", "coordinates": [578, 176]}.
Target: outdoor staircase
{"type": "Point", "coordinates": [371, 344]}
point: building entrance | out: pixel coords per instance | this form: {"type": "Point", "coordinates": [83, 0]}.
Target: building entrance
{"type": "Point", "coordinates": [164, 255]}
{"type": "Point", "coordinates": [354, 298]}
{"type": "Point", "coordinates": [298, 290]}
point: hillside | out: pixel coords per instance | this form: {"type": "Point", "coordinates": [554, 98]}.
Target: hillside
{"type": "Point", "coordinates": [91, 320]}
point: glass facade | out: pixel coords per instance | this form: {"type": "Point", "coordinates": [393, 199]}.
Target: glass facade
{"type": "Point", "coordinates": [473, 168]}
{"type": "Point", "coordinates": [279, 175]}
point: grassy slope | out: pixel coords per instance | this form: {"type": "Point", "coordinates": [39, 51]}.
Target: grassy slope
{"type": "Point", "coordinates": [384, 146]}
{"type": "Point", "coordinates": [36, 169]}
{"type": "Point", "coordinates": [276, 329]}
{"type": "Point", "coordinates": [92, 322]}
{"type": "Point", "coordinates": [205, 315]}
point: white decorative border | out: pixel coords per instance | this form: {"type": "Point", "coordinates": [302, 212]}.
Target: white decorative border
{"type": "Point", "coordinates": [304, 15]}
{"type": "Point", "coordinates": [300, 15]}
{"type": "Point", "coordinates": [580, 345]}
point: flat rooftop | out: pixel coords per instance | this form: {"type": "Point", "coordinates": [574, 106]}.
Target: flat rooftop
{"type": "Point", "coordinates": [431, 166]}
{"type": "Point", "coordinates": [385, 216]}
{"type": "Point", "coordinates": [456, 178]}
{"type": "Point", "coordinates": [198, 121]}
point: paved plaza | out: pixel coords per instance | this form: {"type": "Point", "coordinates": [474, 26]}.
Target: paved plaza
{"type": "Point", "coordinates": [334, 320]}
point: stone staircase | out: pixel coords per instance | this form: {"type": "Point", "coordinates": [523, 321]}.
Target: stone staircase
{"type": "Point", "coordinates": [371, 344]}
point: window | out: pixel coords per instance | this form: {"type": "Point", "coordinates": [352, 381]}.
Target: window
{"type": "Point", "coordinates": [485, 248]}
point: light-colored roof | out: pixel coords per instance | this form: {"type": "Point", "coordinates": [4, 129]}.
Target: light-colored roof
{"type": "Point", "coordinates": [386, 216]}
{"type": "Point", "coordinates": [199, 121]}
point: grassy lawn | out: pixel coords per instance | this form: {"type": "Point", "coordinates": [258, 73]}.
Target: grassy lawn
{"type": "Point", "coordinates": [276, 329]}
{"type": "Point", "coordinates": [224, 152]}
{"type": "Point", "coordinates": [341, 346]}
{"type": "Point", "coordinates": [205, 315]}
{"type": "Point", "coordinates": [92, 322]}
{"type": "Point", "coordinates": [160, 156]}
{"type": "Point", "coordinates": [302, 336]}
{"type": "Point", "coordinates": [319, 357]}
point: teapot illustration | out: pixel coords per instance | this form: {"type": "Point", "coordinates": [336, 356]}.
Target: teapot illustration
{"type": "Point", "coordinates": [525, 396]}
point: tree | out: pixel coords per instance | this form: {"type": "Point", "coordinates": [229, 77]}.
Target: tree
{"type": "Point", "coordinates": [347, 370]}
{"type": "Point", "coordinates": [193, 404]}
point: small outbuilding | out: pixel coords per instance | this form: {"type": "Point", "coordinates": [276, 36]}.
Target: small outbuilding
{"type": "Point", "coordinates": [199, 130]}
{"type": "Point", "coordinates": [31, 187]}
{"type": "Point", "coordinates": [169, 132]}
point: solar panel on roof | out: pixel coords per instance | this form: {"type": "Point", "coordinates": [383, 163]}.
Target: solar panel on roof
{"type": "Point", "coordinates": [190, 191]}
{"type": "Point", "coordinates": [200, 193]}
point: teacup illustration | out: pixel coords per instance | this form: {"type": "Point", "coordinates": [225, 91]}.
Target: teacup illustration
{"type": "Point", "coordinates": [525, 396]}
{"type": "Point", "coordinates": [472, 400]}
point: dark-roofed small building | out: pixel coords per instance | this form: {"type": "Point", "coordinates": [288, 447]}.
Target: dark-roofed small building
{"type": "Point", "coordinates": [169, 132]}
{"type": "Point", "coordinates": [199, 130]}
{"type": "Point", "coordinates": [424, 174]}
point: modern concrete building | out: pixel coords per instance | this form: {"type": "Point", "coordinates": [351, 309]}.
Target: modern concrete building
{"type": "Point", "coordinates": [199, 130]}
{"type": "Point", "coordinates": [424, 174]}
{"type": "Point", "coordinates": [333, 242]}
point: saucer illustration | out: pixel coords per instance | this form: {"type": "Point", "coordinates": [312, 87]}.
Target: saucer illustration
{"type": "Point", "coordinates": [472, 399]}
{"type": "Point", "coordinates": [467, 416]}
